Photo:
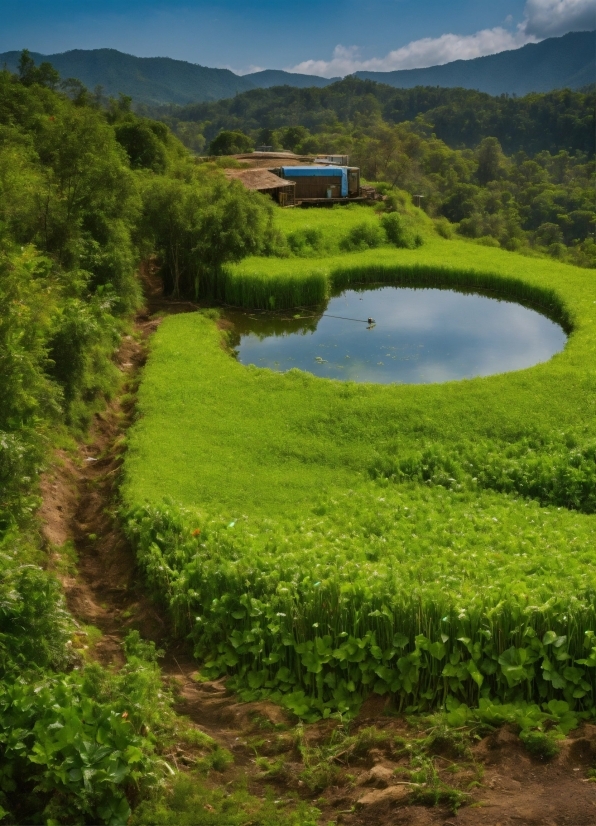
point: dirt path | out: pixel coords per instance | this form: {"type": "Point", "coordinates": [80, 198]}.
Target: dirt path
{"type": "Point", "coordinates": [505, 786]}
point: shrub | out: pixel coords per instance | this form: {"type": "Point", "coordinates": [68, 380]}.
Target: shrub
{"type": "Point", "coordinates": [397, 233]}
{"type": "Point", "coordinates": [365, 235]}
{"type": "Point", "coordinates": [306, 242]}
{"type": "Point", "coordinates": [74, 745]}
{"type": "Point", "coordinates": [444, 228]}
{"type": "Point", "coordinates": [395, 201]}
{"type": "Point", "coordinates": [539, 744]}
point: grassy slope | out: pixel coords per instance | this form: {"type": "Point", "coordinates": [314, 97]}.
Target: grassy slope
{"type": "Point", "coordinates": [289, 458]}
{"type": "Point", "coordinates": [318, 433]}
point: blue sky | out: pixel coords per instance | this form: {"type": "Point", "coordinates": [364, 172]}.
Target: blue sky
{"type": "Point", "coordinates": [330, 38]}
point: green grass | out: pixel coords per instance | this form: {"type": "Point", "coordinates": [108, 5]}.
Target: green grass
{"type": "Point", "coordinates": [189, 802]}
{"type": "Point", "coordinates": [330, 561]}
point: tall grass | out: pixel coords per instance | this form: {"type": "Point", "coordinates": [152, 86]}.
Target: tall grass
{"type": "Point", "coordinates": [323, 539]}
{"type": "Point", "coordinates": [280, 290]}
{"type": "Point", "coordinates": [271, 283]}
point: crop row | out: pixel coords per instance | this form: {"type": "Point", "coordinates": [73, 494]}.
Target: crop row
{"type": "Point", "coordinates": [319, 645]}
{"type": "Point", "coordinates": [554, 474]}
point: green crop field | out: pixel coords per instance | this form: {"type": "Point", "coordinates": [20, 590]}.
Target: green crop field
{"type": "Point", "coordinates": [319, 540]}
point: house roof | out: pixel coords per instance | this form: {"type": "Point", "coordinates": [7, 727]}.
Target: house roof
{"type": "Point", "coordinates": [261, 160]}
{"type": "Point", "coordinates": [272, 156]}
{"type": "Point", "coordinates": [257, 179]}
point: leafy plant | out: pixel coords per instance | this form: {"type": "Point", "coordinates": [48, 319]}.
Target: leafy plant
{"type": "Point", "coordinates": [362, 236]}
{"type": "Point", "coordinates": [540, 744]}
{"type": "Point", "coordinates": [397, 232]}
{"type": "Point", "coordinates": [80, 744]}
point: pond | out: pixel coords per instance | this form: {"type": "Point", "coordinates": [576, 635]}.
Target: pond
{"type": "Point", "coordinates": [417, 336]}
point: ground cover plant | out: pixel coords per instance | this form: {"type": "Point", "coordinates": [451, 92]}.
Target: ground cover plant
{"type": "Point", "coordinates": [320, 540]}
{"type": "Point", "coordinates": [76, 177]}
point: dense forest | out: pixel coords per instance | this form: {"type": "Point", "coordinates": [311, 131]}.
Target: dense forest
{"type": "Point", "coordinates": [460, 117]}
{"type": "Point", "coordinates": [516, 172]}
{"type": "Point", "coordinates": [86, 192]}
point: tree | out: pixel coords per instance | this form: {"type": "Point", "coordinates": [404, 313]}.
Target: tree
{"type": "Point", "coordinates": [197, 226]}
{"type": "Point", "coordinates": [143, 146]}
{"type": "Point", "coordinates": [29, 73]}
{"type": "Point", "coordinates": [293, 136]}
{"type": "Point", "coordinates": [230, 143]}
{"type": "Point", "coordinates": [491, 161]}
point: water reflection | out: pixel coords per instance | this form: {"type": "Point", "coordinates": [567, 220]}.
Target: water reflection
{"type": "Point", "coordinates": [419, 336]}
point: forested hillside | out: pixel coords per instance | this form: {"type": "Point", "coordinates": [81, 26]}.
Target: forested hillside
{"type": "Point", "coordinates": [85, 194]}
{"type": "Point", "coordinates": [459, 117]}
{"type": "Point", "coordinates": [514, 172]}
{"type": "Point", "coordinates": [555, 63]}
{"type": "Point", "coordinates": [158, 80]}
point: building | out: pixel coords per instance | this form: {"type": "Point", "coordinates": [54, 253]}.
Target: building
{"type": "Point", "coordinates": [328, 183]}
{"type": "Point", "coordinates": [300, 179]}
{"type": "Point", "coordinates": [262, 180]}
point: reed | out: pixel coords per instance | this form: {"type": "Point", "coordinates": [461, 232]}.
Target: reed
{"type": "Point", "coordinates": [322, 540]}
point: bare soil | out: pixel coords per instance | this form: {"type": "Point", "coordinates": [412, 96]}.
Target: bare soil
{"type": "Point", "coordinates": [505, 785]}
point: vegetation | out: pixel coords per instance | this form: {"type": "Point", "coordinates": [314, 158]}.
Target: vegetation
{"type": "Point", "coordinates": [78, 744]}
{"type": "Point", "coordinates": [517, 172]}
{"type": "Point", "coordinates": [230, 143]}
{"type": "Point", "coordinates": [551, 122]}
{"type": "Point", "coordinates": [443, 503]}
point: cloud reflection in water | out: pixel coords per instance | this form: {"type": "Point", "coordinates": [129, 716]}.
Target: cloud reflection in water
{"type": "Point", "coordinates": [421, 336]}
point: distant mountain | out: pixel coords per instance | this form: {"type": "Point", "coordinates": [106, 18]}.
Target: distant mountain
{"type": "Point", "coordinates": [275, 77]}
{"type": "Point", "coordinates": [150, 80]}
{"type": "Point", "coordinates": [159, 80]}
{"type": "Point", "coordinates": [556, 63]}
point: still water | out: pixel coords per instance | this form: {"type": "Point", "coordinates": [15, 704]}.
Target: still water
{"type": "Point", "coordinates": [419, 336]}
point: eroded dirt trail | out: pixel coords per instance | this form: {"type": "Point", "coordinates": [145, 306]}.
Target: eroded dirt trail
{"type": "Point", "coordinates": [505, 785]}
{"type": "Point", "coordinates": [79, 503]}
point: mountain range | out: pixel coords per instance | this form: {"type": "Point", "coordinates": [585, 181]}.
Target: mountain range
{"type": "Point", "coordinates": [555, 63]}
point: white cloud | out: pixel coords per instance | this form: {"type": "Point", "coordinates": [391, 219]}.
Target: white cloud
{"type": "Point", "coordinates": [542, 18]}
{"type": "Point", "coordinates": [429, 51]}
{"type": "Point", "coordinates": [551, 18]}
{"type": "Point", "coordinates": [248, 71]}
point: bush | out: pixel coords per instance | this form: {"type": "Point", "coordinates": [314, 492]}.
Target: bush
{"type": "Point", "coordinates": [73, 746]}
{"type": "Point", "coordinates": [34, 624]}
{"type": "Point", "coordinates": [444, 228]}
{"type": "Point", "coordinates": [539, 744]}
{"type": "Point", "coordinates": [81, 344]}
{"type": "Point", "coordinates": [306, 242]}
{"type": "Point", "coordinates": [397, 233]}
{"type": "Point", "coordinates": [395, 201]}
{"type": "Point", "coordinates": [363, 236]}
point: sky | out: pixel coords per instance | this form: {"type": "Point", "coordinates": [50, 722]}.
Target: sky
{"type": "Point", "coordinates": [331, 38]}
